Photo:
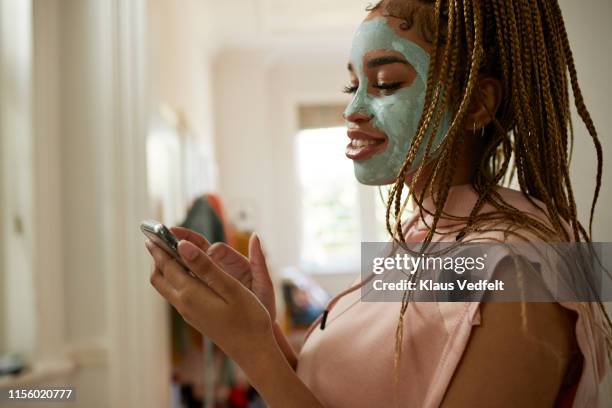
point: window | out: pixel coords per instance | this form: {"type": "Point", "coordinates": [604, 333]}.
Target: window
{"type": "Point", "coordinates": [330, 209]}
{"type": "Point", "coordinates": [337, 212]}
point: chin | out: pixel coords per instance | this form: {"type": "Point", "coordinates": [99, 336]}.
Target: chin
{"type": "Point", "coordinates": [368, 179]}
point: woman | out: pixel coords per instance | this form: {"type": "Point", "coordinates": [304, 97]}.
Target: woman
{"type": "Point", "coordinates": [446, 94]}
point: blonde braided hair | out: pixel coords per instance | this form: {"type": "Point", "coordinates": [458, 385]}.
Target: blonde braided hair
{"type": "Point", "coordinates": [524, 44]}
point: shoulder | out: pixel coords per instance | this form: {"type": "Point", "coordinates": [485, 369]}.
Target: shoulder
{"type": "Point", "coordinates": [525, 205]}
{"type": "Point", "coordinates": [522, 202]}
{"type": "Point", "coordinates": [517, 346]}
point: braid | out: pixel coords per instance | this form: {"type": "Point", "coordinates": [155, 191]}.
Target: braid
{"type": "Point", "coordinates": [582, 111]}
{"type": "Point", "coordinates": [524, 44]}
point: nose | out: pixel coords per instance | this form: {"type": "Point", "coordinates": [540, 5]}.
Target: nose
{"type": "Point", "coordinates": [356, 116]}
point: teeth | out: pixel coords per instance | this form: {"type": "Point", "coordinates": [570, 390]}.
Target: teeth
{"type": "Point", "coordinates": [363, 142]}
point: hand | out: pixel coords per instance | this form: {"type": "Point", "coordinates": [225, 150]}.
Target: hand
{"type": "Point", "coordinates": [215, 303]}
{"type": "Point", "coordinates": [252, 273]}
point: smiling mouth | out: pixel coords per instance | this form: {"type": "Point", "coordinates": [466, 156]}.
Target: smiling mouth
{"type": "Point", "coordinates": [363, 147]}
{"type": "Point", "coordinates": [365, 142]}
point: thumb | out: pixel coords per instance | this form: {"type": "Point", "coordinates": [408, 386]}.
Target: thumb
{"type": "Point", "coordinates": [257, 259]}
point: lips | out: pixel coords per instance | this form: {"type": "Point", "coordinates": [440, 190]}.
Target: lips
{"type": "Point", "coordinates": [364, 145]}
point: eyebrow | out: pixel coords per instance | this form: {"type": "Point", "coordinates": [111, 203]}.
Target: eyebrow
{"type": "Point", "coordinates": [387, 59]}
{"type": "Point", "coordinates": [379, 61]}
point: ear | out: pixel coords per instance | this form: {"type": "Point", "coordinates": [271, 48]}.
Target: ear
{"type": "Point", "coordinates": [485, 102]}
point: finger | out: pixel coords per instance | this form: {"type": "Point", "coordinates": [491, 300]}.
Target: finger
{"type": "Point", "coordinates": [183, 299]}
{"type": "Point", "coordinates": [162, 286]}
{"type": "Point", "coordinates": [231, 261]}
{"type": "Point", "coordinates": [226, 256]}
{"type": "Point", "coordinates": [172, 271]}
{"type": "Point", "coordinates": [184, 296]}
{"type": "Point", "coordinates": [204, 267]}
{"type": "Point", "coordinates": [191, 236]}
{"type": "Point", "coordinates": [257, 259]}
{"type": "Point", "coordinates": [218, 251]}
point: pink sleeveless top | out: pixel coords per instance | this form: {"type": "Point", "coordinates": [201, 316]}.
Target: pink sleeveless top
{"type": "Point", "coordinates": [351, 362]}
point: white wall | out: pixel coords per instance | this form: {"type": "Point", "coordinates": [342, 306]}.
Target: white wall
{"type": "Point", "coordinates": [17, 170]}
{"type": "Point", "coordinates": [74, 92]}
{"type": "Point", "coordinates": [81, 158]}
{"type": "Point", "coordinates": [256, 122]}
{"type": "Point", "coordinates": [84, 90]}
{"type": "Point", "coordinates": [589, 32]}
{"type": "Point", "coordinates": [181, 39]}
{"type": "Point", "coordinates": [114, 324]}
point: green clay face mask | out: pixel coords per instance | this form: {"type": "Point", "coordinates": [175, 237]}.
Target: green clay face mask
{"type": "Point", "coordinates": [396, 115]}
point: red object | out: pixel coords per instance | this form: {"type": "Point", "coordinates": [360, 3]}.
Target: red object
{"type": "Point", "coordinates": [215, 202]}
{"type": "Point", "coordinates": [238, 398]}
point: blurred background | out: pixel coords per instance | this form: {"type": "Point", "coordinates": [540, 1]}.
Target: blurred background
{"type": "Point", "coordinates": [220, 115]}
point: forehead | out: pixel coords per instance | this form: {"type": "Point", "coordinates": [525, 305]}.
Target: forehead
{"type": "Point", "coordinates": [381, 35]}
{"type": "Point", "coordinates": [413, 34]}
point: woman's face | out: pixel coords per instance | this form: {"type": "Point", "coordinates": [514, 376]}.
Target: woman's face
{"type": "Point", "coordinates": [388, 68]}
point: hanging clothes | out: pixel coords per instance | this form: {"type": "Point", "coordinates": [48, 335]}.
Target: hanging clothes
{"type": "Point", "coordinates": [204, 217]}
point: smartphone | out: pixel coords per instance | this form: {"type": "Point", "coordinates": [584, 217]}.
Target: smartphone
{"type": "Point", "coordinates": [163, 238]}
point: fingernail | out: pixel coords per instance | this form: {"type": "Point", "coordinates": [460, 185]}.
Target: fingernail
{"type": "Point", "coordinates": [214, 251]}
{"type": "Point", "coordinates": [188, 250]}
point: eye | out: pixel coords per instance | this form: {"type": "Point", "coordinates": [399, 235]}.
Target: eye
{"type": "Point", "coordinates": [388, 87]}
{"type": "Point", "coordinates": [350, 89]}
